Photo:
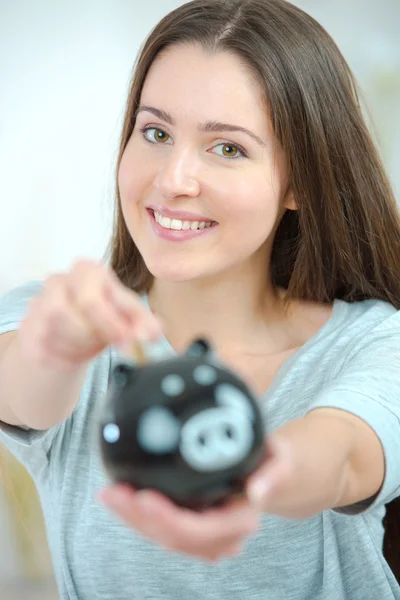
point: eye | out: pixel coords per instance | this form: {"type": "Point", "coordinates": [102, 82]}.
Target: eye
{"type": "Point", "coordinates": [231, 151]}
{"type": "Point", "coordinates": [155, 135]}
{"type": "Point", "coordinates": [159, 135]}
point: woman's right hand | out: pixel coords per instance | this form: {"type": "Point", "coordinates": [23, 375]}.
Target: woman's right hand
{"type": "Point", "coordinates": [79, 313]}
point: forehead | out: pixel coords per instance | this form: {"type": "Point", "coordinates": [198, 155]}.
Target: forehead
{"type": "Point", "coordinates": [196, 85]}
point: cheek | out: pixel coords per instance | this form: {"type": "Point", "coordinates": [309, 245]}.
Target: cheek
{"type": "Point", "coordinates": [252, 200]}
{"type": "Point", "coordinates": [126, 176]}
{"type": "Point", "coordinates": [132, 178]}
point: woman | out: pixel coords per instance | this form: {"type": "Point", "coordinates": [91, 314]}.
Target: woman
{"type": "Point", "coordinates": [252, 209]}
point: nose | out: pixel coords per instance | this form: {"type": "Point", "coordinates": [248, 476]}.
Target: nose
{"type": "Point", "coordinates": [177, 176]}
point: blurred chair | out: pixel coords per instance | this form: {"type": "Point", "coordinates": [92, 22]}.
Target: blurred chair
{"type": "Point", "coordinates": [25, 517]}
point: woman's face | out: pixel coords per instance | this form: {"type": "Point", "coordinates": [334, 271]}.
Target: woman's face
{"type": "Point", "coordinates": [200, 196]}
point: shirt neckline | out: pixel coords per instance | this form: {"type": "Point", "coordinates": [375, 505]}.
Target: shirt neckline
{"type": "Point", "coordinates": [164, 345]}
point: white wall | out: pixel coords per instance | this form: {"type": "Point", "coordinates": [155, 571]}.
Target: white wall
{"type": "Point", "coordinates": [64, 71]}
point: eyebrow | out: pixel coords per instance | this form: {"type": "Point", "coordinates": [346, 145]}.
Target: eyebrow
{"type": "Point", "coordinates": [208, 126]}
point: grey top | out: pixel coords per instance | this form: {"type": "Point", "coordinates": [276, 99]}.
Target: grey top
{"type": "Point", "coordinates": [352, 363]}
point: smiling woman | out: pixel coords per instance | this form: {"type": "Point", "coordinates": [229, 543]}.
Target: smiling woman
{"type": "Point", "coordinates": [252, 211]}
{"type": "Point", "coordinates": [175, 160]}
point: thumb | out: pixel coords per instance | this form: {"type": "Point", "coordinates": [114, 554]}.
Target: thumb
{"type": "Point", "coordinates": [273, 474]}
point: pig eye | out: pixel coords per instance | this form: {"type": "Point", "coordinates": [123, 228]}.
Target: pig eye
{"type": "Point", "coordinates": [205, 375]}
{"type": "Point", "coordinates": [121, 374]}
{"type": "Point", "coordinates": [158, 430]}
{"type": "Point", "coordinates": [111, 433]}
{"type": "Point", "coordinates": [172, 385]}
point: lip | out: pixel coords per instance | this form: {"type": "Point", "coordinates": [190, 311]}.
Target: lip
{"type": "Point", "coordinates": [174, 235]}
{"type": "Point", "coordinates": [178, 214]}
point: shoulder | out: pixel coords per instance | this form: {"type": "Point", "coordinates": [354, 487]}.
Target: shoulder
{"type": "Point", "coordinates": [372, 311]}
{"type": "Point", "coordinates": [364, 337]}
{"type": "Point", "coordinates": [21, 291]}
{"type": "Point", "coordinates": [14, 304]}
{"type": "Point", "coordinates": [360, 333]}
{"type": "Point", "coordinates": [369, 319]}
{"type": "Point", "coordinates": [343, 323]}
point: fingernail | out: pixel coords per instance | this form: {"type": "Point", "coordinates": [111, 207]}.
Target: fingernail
{"type": "Point", "coordinates": [235, 551]}
{"type": "Point", "coordinates": [124, 349]}
{"type": "Point", "coordinates": [146, 502]}
{"type": "Point", "coordinates": [117, 499]}
{"type": "Point", "coordinates": [156, 334]}
{"type": "Point", "coordinates": [258, 491]}
{"type": "Point", "coordinates": [102, 496]}
{"type": "Point", "coordinates": [143, 336]}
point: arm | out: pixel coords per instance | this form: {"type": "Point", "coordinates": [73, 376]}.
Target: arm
{"type": "Point", "coordinates": [328, 459]}
{"type": "Point", "coordinates": [74, 318]}
{"type": "Point", "coordinates": [32, 394]}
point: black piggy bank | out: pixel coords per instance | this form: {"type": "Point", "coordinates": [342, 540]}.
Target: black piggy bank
{"type": "Point", "coordinates": [185, 426]}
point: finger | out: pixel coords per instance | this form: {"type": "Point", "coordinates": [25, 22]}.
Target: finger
{"type": "Point", "coordinates": [153, 527]}
{"type": "Point", "coordinates": [126, 301]}
{"type": "Point", "coordinates": [50, 319]}
{"type": "Point", "coordinates": [213, 555]}
{"type": "Point", "coordinates": [137, 512]}
{"type": "Point", "coordinates": [234, 550]}
{"type": "Point", "coordinates": [103, 320]}
{"type": "Point", "coordinates": [143, 322]}
{"type": "Point", "coordinates": [219, 524]}
{"type": "Point", "coordinates": [176, 525]}
{"type": "Point", "coordinates": [92, 282]}
{"type": "Point", "coordinates": [64, 331]}
{"type": "Point", "coordinates": [229, 551]}
{"type": "Point", "coordinates": [274, 474]}
{"type": "Point", "coordinates": [86, 294]}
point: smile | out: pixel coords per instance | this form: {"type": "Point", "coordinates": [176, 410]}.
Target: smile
{"type": "Point", "coordinates": [177, 224]}
{"type": "Point", "coordinates": [179, 230]}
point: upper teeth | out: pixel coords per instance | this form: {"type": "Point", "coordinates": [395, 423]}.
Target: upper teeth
{"type": "Point", "coordinates": [178, 224]}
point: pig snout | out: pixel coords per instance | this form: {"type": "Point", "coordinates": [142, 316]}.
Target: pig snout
{"type": "Point", "coordinates": [217, 438]}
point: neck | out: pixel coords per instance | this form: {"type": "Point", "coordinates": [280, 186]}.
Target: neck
{"type": "Point", "coordinates": [236, 314]}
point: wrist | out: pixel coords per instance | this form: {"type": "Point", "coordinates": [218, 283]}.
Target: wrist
{"type": "Point", "coordinates": [307, 467]}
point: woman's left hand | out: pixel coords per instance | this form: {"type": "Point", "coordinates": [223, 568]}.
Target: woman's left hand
{"type": "Point", "coordinates": [212, 534]}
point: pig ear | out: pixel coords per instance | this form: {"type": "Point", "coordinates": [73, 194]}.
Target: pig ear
{"type": "Point", "coordinates": [121, 373]}
{"type": "Point", "coordinates": [158, 430]}
{"type": "Point", "coordinates": [230, 396]}
{"type": "Point", "coordinates": [199, 348]}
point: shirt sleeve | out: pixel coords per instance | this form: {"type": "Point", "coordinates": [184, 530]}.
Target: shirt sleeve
{"type": "Point", "coordinates": [30, 447]}
{"type": "Point", "coordinates": [369, 387]}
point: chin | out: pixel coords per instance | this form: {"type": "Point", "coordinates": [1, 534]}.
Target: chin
{"type": "Point", "coordinates": [173, 273]}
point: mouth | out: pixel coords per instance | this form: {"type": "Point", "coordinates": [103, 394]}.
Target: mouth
{"type": "Point", "coordinates": [180, 224]}
{"type": "Point", "coordinates": [178, 229]}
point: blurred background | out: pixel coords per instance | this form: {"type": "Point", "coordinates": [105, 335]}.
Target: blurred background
{"type": "Point", "coordinates": [64, 73]}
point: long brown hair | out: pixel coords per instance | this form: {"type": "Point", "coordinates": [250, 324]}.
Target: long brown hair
{"type": "Point", "coordinates": [343, 241]}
